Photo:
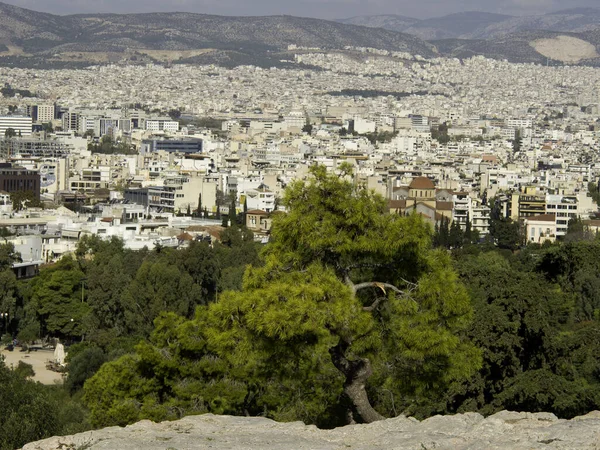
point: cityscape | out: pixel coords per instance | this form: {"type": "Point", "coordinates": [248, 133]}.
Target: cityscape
{"type": "Point", "coordinates": [523, 134]}
{"type": "Point", "coordinates": [300, 231]}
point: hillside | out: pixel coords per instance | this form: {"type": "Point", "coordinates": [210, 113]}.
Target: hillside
{"type": "Point", "coordinates": [543, 47]}
{"type": "Point", "coordinates": [456, 25]}
{"type": "Point", "coordinates": [48, 38]}
{"type": "Point", "coordinates": [482, 25]}
{"type": "Point", "coordinates": [390, 22]}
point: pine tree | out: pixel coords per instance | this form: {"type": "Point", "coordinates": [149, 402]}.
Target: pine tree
{"type": "Point", "coordinates": [468, 236]}
{"type": "Point", "coordinates": [455, 237]}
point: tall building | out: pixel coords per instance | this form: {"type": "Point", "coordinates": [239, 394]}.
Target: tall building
{"type": "Point", "coordinates": [20, 124]}
{"type": "Point", "coordinates": [70, 121]}
{"type": "Point", "coordinates": [42, 113]}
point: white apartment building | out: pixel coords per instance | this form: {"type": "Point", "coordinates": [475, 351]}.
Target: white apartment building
{"type": "Point", "coordinates": [461, 210]}
{"type": "Point", "coordinates": [5, 203]}
{"type": "Point", "coordinates": [190, 191]}
{"type": "Point", "coordinates": [541, 228]}
{"type": "Point", "coordinates": [480, 219]}
{"type": "Point", "coordinates": [260, 198]}
{"type": "Point", "coordinates": [519, 123]}
{"type": "Point", "coordinates": [295, 119]}
{"type": "Point", "coordinates": [565, 208]}
{"type": "Point", "coordinates": [45, 113]}
{"type": "Point", "coordinates": [21, 125]}
{"type": "Point", "coordinates": [167, 125]}
{"type": "Point", "coordinates": [362, 126]}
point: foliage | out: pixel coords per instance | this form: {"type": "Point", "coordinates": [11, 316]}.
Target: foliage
{"type": "Point", "coordinates": [57, 296]}
{"type": "Point", "coordinates": [381, 136]}
{"type": "Point", "coordinates": [517, 141]}
{"type": "Point", "coordinates": [31, 411]}
{"type": "Point", "coordinates": [83, 365]}
{"type": "Point", "coordinates": [506, 233]}
{"type": "Point", "coordinates": [536, 319]}
{"type": "Point", "coordinates": [24, 199]}
{"type": "Point", "coordinates": [8, 91]}
{"type": "Point", "coordinates": [108, 146]}
{"type": "Point", "coordinates": [440, 133]}
{"type": "Point", "coordinates": [307, 323]}
{"type": "Point", "coordinates": [593, 191]}
{"type": "Point", "coordinates": [577, 230]}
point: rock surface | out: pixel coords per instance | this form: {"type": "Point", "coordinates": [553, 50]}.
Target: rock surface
{"type": "Point", "coordinates": [504, 430]}
{"type": "Point", "coordinates": [565, 48]}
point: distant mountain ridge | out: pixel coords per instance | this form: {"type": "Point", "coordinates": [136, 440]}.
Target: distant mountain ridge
{"type": "Point", "coordinates": [40, 40]}
{"type": "Point", "coordinates": [481, 25]}
{"type": "Point", "coordinates": [45, 35]}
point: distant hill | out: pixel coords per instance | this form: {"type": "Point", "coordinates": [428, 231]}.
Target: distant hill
{"type": "Point", "coordinates": [544, 47]}
{"type": "Point", "coordinates": [54, 39]}
{"type": "Point", "coordinates": [390, 22]}
{"type": "Point", "coordinates": [456, 25]}
{"type": "Point", "coordinates": [570, 20]}
{"type": "Point", "coordinates": [40, 40]}
{"type": "Point", "coordinates": [482, 25]}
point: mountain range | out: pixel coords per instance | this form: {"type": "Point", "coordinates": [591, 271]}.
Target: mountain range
{"type": "Point", "coordinates": [41, 40]}
{"type": "Point", "coordinates": [33, 36]}
{"type": "Point", "coordinates": [482, 25]}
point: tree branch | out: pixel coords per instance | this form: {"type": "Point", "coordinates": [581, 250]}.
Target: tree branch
{"type": "Point", "coordinates": [377, 284]}
{"type": "Point", "coordinates": [375, 304]}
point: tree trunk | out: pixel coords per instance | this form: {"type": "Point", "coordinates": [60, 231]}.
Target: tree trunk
{"type": "Point", "coordinates": [356, 373]}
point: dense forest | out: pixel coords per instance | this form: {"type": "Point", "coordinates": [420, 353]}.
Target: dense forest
{"type": "Point", "coordinates": [349, 314]}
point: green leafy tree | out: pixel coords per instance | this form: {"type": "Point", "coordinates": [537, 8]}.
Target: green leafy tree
{"type": "Point", "coordinates": [577, 230]}
{"type": "Point", "coordinates": [31, 411]}
{"type": "Point", "coordinates": [158, 286]}
{"type": "Point", "coordinates": [535, 357]}
{"type": "Point", "coordinates": [351, 305]}
{"type": "Point", "coordinates": [455, 235]}
{"type": "Point", "coordinates": [10, 133]}
{"type": "Point", "coordinates": [82, 366]}
{"type": "Point", "coordinates": [56, 296]}
{"type": "Point", "coordinates": [517, 141]}
{"type": "Point", "coordinates": [109, 269]}
{"type": "Point", "coordinates": [506, 233]}
{"type": "Point", "coordinates": [24, 199]}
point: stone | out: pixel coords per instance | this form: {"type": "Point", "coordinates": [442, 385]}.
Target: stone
{"type": "Point", "coordinates": [502, 431]}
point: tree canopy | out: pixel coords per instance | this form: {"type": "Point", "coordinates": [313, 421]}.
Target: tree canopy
{"type": "Point", "coordinates": [348, 294]}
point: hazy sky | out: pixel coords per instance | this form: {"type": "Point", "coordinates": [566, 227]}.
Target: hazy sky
{"type": "Point", "coordinates": [326, 9]}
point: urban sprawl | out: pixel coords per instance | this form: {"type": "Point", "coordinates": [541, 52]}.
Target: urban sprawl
{"type": "Point", "coordinates": [158, 155]}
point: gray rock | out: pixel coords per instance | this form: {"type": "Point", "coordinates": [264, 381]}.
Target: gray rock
{"type": "Point", "coordinates": [502, 431]}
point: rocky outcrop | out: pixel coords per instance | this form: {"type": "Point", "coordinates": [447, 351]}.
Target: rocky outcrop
{"type": "Point", "coordinates": [504, 430]}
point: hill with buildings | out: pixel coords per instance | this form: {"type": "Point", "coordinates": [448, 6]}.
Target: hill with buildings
{"type": "Point", "coordinates": [543, 47]}
{"type": "Point", "coordinates": [41, 40]}
{"type": "Point", "coordinates": [47, 38]}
